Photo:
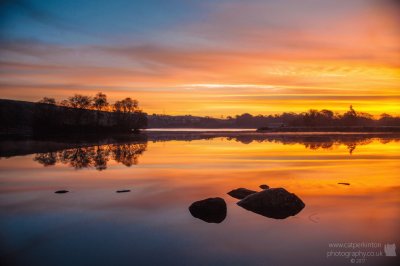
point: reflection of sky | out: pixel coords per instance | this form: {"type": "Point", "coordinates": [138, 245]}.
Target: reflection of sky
{"type": "Point", "coordinates": [205, 57]}
{"type": "Point", "coordinates": [94, 225]}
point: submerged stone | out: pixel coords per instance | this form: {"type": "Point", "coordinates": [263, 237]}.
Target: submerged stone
{"type": "Point", "coordinates": [241, 193]}
{"type": "Point", "coordinates": [275, 203]}
{"type": "Point", "coordinates": [61, 191]}
{"type": "Point", "coordinates": [211, 210]}
{"type": "Point", "coordinates": [123, 191]}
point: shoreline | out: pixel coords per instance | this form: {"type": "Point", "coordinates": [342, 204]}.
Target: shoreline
{"type": "Point", "coordinates": [192, 131]}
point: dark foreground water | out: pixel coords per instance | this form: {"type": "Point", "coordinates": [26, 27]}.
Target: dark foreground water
{"type": "Point", "coordinates": [341, 224]}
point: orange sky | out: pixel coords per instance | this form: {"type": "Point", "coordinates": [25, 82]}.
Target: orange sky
{"type": "Point", "coordinates": [226, 58]}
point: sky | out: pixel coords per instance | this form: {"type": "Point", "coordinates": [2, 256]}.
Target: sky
{"type": "Point", "coordinates": [206, 57]}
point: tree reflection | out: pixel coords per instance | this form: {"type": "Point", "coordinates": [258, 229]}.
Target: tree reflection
{"type": "Point", "coordinates": [101, 158]}
{"type": "Point", "coordinates": [46, 159]}
{"type": "Point", "coordinates": [330, 143]}
{"type": "Point", "coordinates": [127, 154]}
{"type": "Point", "coordinates": [95, 156]}
{"type": "Point", "coordinates": [308, 140]}
{"type": "Point", "coordinates": [316, 142]}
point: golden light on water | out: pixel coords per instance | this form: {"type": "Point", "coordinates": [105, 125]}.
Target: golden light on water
{"type": "Point", "coordinates": [170, 175]}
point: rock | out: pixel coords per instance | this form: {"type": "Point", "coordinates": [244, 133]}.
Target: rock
{"type": "Point", "coordinates": [123, 191]}
{"type": "Point", "coordinates": [264, 186]}
{"type": "Point", "coordinates": [241, 193]}
{"type": "Point", "coordinates": [275, 203]}
{"type": "Point", "coordinates": [211, 210]}
{"type": "Point", "coordinates": [61, 191]}
{"type": "Point", "coordinates": [346, 184]}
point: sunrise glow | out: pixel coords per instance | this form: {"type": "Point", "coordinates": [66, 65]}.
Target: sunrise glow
{"type": "Point", "coordinates": [206, 57]}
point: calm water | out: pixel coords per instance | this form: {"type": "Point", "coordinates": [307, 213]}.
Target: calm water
{"type": "Point", "coordinates": [151, 225]}
{"type": "Point", "coordinates": [200, 129]}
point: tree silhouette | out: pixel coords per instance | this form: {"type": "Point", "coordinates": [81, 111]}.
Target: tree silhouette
{"type": "Point", "coordinates": [64, 103]}
{"type": "Point", "coordinates": [117, 106]}
{"type": "Point", "coordinates": [47, 100]}
{"type": "Point", "coordinates": [100, 101]}
{"type": "Point", "coordinates": [127, 105]}
{"type": "Point", "coordinates": [79, 101]}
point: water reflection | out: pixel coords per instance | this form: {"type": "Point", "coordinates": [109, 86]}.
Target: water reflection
{"type": "Point", "coordinates": [100, 225]}
{"type": "Point", "coordinates": [312, 141]}
{"type": "Point", "coordinates": [96, 156]}
{"type": "Point", "coordinates": [315, 142]}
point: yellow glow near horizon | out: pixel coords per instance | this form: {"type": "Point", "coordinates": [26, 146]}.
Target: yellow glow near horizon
{"type": "Point", "coordinates": [230, 65]}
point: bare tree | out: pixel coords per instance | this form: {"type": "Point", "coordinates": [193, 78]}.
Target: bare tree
{"type": "Point", "coordinates": [117, 106]}
{"type": "Point", "coordinates": [47, 100]}
{"type": "Point", "coordinates": [80, 101]}
{"type": "Point", "coordinates": [100, 101]}
{"type": "Point", "coordinates": [64, 103]}
{"type": "Point", "coordinates": [129, 105]}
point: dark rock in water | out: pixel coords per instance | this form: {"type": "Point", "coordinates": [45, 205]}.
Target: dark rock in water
{"type": "Point", "coordinates": [346, 184]}
{"type": "Point", "coordinates": [211, 210]}
{"type": "Point", "coordinates": [61, 191]}
{"type": "Point", "coordinates": [264, 186]}
{"type": "Point", "coordinates": [275, 203]}
{"type": "Point", "coordinates": [123, 191]}
{"type": "Point", "coordinates": [241, 193]}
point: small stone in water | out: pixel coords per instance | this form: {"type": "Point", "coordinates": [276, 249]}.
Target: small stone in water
{"type": "Point", "coordinates": [61, 191]}
{"type": "Point", "coordinates": [123, 191]}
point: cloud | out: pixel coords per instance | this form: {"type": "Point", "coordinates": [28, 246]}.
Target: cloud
{"type": "Point", "coordinates": [33, 15]}
{"type": "Point", "coordinates": [263, 52]}
{"type": "Point", "coordinates": [231, 86]}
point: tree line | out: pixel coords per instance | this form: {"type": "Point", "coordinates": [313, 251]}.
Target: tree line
{"type": "Point", "coordinates": [319, 118]}
{"type": "Point", "coordinates": [311, 118]}
{"type": "Point", "coordinates": [85, 114]}
{"type": "Point", "coordinates": [99, 102]}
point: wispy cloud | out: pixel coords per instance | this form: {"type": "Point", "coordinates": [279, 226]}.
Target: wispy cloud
{"type": "Point", "coordinates": [251, 54]}
{"type": "Point", "coordinates": [233, 86]}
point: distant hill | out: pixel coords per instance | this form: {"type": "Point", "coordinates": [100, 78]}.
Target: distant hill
{"type": "Point", "coordinates": [27, 119]}
{"type": "Point", "coordinates": [313, 120]}
{"type": "Point", "coordinates": [188, 121]}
